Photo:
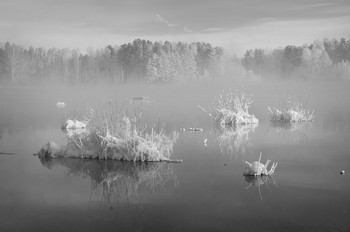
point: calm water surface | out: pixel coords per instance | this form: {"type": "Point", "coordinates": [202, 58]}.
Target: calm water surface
{"type": "Point", "coordinates": [207, 192]}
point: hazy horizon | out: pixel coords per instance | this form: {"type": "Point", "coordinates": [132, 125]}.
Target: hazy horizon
{"type": "Point", "coordinates": [234, 25]}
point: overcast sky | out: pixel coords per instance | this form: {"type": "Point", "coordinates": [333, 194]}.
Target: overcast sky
{"type": "Point", "coordinates": [236, 25]}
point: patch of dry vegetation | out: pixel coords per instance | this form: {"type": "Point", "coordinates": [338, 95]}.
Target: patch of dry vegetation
{"type": "Point", "coordinates": [291, 111]}
{"type": "Point", "coordinates": [231, 108]}
{"type": "Point", "coordinates": [116, 133]}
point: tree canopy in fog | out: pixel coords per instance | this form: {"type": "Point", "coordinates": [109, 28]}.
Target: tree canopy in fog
{"type": "Point", "coordinates": [321, 59]}
{"type": "Point", "coordinates": [141, 60]}
{"type": "Point", "coordinates": [154, 62]}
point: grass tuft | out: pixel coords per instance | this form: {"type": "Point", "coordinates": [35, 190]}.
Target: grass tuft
{"type": "Point", "coordinates": [231, 108]}
{"type": "Point", "coordinates": [291, 111]}
{"type": "Point", "coordinates": [115, 132]}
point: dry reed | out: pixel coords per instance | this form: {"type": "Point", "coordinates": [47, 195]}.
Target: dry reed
{"type": "Point", "coordinates": [115, 132]}
{"type": "Point", "coordinates": [231, 108]}
{"type": "Point", "coordinates": [291, 111]}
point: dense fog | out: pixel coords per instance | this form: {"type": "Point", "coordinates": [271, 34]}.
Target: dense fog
{"type": "Point", "coordinates": [177, 105]}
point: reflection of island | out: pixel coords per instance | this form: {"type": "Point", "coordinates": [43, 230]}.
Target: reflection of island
{"type": "Point", "coordinates": [258, 181]}
{"type": "Point", "coordinates": [116, 181]}
{"type": "Point", "coordinates": [235, 139]}
{"type": "Point", "coordinates": [294, 132]}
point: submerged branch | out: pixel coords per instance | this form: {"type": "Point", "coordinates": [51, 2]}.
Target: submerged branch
{"type": "Point", "coordinates": [7, 153]}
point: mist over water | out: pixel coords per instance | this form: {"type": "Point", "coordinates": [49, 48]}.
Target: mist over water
{"type": "Point", "coordinates": [85, 89]}
{"type": "Point", "coordinates": [205, 192]}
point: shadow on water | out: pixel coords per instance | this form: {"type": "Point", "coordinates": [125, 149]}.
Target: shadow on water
{"type": "Point", "coordinates": [234, 140]}
{"type": "Point", "coordinates": [294, 132]}
{"type": "Point", "coordinates": [258, 181]}
{"type": "Point", "coordinates": [116, 181]}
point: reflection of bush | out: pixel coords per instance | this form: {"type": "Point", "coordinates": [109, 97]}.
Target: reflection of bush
{"type": "Point", "coordinates": [116, 180]}
{"type": "Point", "coordinates": [258, 181]}
{"type": "Point", "coordinates": [294, 132]}
{"type": "Point", "coordinates": [234, 140]}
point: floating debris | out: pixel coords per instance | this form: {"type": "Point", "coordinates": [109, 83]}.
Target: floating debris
{"type": "Point", "coordinates": [7, 153]}
{"type": "Point", "coordinates": [259, 169]}
{"type": "Point", "coordinates": [60, 104]}
{"type": "Point", "coordinates": [191, 129]}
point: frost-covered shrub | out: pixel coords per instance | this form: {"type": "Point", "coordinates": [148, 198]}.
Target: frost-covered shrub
{"type": "Point", "coordinates": [291, 111]}
{"type": "Point", "coordinates": [112, 133]}
{"type": "Point", "coordinates": [231, 108]}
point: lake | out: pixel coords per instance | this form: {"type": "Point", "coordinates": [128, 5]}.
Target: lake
{"type": "Point", "coordinates": [207, 191]}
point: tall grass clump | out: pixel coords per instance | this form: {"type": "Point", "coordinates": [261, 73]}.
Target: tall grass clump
{"type": "Point", "coordinates": [291, 111]}
{"type": "Point", "coordinates": [115, 132]}
{"type": "Point", "coordinates": [231, 108]}
{"type": "Point", "coordinates": [123, 137]}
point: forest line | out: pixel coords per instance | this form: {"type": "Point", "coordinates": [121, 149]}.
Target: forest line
{"type": "Point", "coordinates": [155, 62]}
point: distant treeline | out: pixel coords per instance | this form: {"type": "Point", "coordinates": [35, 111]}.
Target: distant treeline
{"type": "Point", "coordinates": [141, 60]}
{"type": "Point", "coordinates": [146, 61]}
{"type": "Point", "coordinates": [327, 59]}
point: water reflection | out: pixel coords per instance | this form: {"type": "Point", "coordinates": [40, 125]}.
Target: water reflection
{"type": "Point", "coordinates": [234, 140]}
{"type": "Point", "coordinates": [258, 181]}
{"type": "Point", "coordinates": [294, 132]}
{"type": "Point", "coordinates": [337, 121]}
{"type": "Point", "coordinates": [115, 181]}
{"type": "Point", "coordinates": [7, 123]}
